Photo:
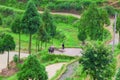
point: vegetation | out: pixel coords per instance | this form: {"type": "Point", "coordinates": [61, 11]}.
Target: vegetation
{"type": "Point", "coordinates": [118, 75]}
{"type": "Point", "coordinates": [0, 20]}
{"type": "Point", "coordinates": [17, 28]}
{"type": "Point", "coordinates": [97, 61]}
{"type": "Point", "coordinates": [92, 22]}
{"type": "Point", "coordinates": [28, 24]}
{"type": "Point", "coordinates": [118, 26]}
{"type": "Point", "coordinates": [8, 44]}
{"type": "Point", "coordinates": [30, 21]}
{"type": "Point", "coordinates": [32, 69]}
{"type": "Point", "coordinates": [48, 25]}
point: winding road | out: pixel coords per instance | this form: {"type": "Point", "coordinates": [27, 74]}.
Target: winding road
{"type": "Point", "coordinates": [52, 69]}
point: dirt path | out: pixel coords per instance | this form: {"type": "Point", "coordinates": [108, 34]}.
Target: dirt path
{"type": "Point", "coordinates": [52, 69]}
{"type": "Point", "coordinates": [69, 52]}
{"type": "Point", "coordinates": [64, 14]}
{"type": "Point", "coordinates": [3, 58]}
{"type": "Point", "coordinates": [110, 29]}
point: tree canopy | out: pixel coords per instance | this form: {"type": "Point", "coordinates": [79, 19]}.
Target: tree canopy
{"type": "Point", "coordinates": [93, 21]}
{"type": "Point", "coordinates": [31, 21]}
{"type": "Point", "coordinates": [32, 69]}
{"type": "Point", "coordinates": [97, 61]}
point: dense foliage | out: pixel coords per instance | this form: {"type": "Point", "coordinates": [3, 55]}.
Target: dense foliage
{"type": "Point", "coordinates": [31, 21]}
{"type": "Point", "coordinates": [118, 75]}
{"type": "Point", "coordinates": [48, 24]}
{"type": "Point", "coordinates": [32, 69]}
{"type": "Point", "coordinates": [92, 22]}
{"type": "Point", "coordinates": [97, 61]}
{"type": "Point", "coordinates": [17, 28]}
{"type": "Point", "coordinates": [7, 44]}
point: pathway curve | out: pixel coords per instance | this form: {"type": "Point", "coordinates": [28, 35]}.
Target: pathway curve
{"type": "Point", "coordinates": [3, 58]}
{"type": "Point", "coordinates": [69, 51]}
{"type": "Point", "coordinates": [52, 69]}
{"type": "Point", "coordinates": [109, 28]}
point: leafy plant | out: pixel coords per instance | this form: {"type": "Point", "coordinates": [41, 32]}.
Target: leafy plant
{"type": "Point", "coordinates": [16, 58]}
{"type": "Point", "coordinates": [32, 69]}
{"type": "Point", "coordinates": [97, 61]}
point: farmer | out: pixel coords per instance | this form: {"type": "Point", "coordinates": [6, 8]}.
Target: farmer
{"type": "Point", "coordinates": [63, 46]}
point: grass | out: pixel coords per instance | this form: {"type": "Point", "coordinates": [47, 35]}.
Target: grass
{"type": "Point", "coordinates": [45, 59]}
{"type": "Point", "coordinates": [68, 30]}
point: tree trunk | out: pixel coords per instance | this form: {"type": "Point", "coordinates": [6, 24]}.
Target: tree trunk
{"type": "Point", "coordinates": [41, 45]}
{"type": "Point", "coordinates": [83, 42]}
{"type": "Point", "coordinates": [19, 45]}
{"type": "Point", "coordinates": [36, 46]}
{"type": "Point", "coordinates": [119, 37]}
{"type": "Point", "coordinates": [30, 40]}
{"type": "Point", "coordinates": [8, 60]}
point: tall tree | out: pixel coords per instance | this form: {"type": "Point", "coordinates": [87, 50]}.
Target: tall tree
{"type": "Point", "coordinates": [93, 21]}
{"type": "Point", "coordinates": [48, 24]}
{"type": "Point", "coordinates": [97, 61]}
{"type": "Point", "coordinates": [17, 28]}
{"type": "Point", "coordinates": [118, 26]}
{"type": "Point", "coordinates": [8, 44]}
{"type": "Point", "coordinates": [30, 21]}
{"type": "Point", "coordinates": [32, 69]}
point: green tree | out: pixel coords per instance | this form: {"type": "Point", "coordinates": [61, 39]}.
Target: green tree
{"type": "Point", "coordinates": [48, 24]}
{"type": "Point", "coordinates": [118, 75]}
{"type": "Point", "coordinates": [118, 26]}
{"type": "Point", "coordinates": [1, 46]}
{"type": "Point", "coordinates": [32, 69]}
{"type": "Point", "coordinates": [30, 21]}
{"type": "Point", "coordinates": [17, 28]}
{"type": "Point", "coordinates": [98, 62]}
{"type": "Point", "coordinates": [8, 44]}
{"type": "Point", "coordinates": [93, 21]}
{"type": "Point", "coordinates": [43, 36]}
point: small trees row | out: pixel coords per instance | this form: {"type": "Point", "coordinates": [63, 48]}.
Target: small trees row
{"type": "Point", "coordinates": [31, 23]}
{"type": "Point", "coordinates": [6, 44]}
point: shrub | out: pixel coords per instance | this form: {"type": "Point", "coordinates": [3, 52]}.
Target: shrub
{"type": "Point", "coordinates": [32, 69]}
{"type": "Point", "coordinates": [118, 75]}
{"type": "Point", "coordinates": [16, 58]}
{"type": "Point", "coordinates": [110, 10]}
{"type": "Point", "coordinates": [64, 19]}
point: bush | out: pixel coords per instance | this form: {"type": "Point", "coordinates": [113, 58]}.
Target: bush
{"type": "Point", "coordinates": [16, 58]}
{"type": "Point", "coordinates": [118, 46]}
{"type": "Point", "coordinates": [32, 69]}
{"type": "Point", "coordinates": [110, 10]}
{"type": "Point", "coordinates": [118, 75]}
{"type": "Point", "coordinates": [64, 19]}
{"type": "Point", "coordinates": [60, 36]}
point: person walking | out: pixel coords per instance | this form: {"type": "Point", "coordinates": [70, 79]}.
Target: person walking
{"type": "Point", "coordinates": [63, 46]}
